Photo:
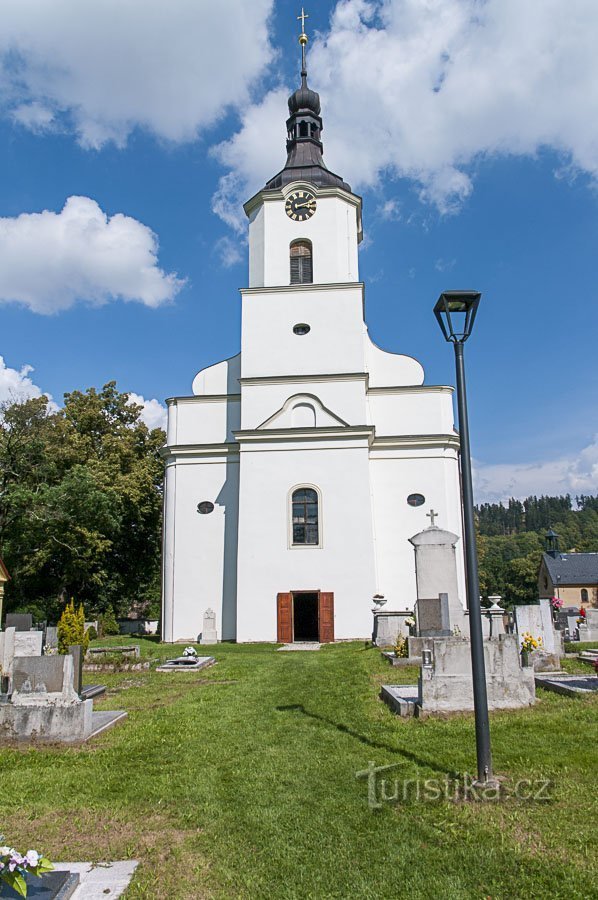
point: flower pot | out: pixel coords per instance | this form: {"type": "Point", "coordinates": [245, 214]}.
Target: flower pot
{"type": "Point", "coordinates": [525, 659]}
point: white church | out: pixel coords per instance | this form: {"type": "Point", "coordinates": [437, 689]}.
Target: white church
{"type": "Point", "coordinates": [297, 470]}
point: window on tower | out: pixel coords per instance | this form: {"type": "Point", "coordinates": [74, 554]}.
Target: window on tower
{"type": "Point", "coordinates": [301, 263]}
{"type": "Point", "coordinates": [305, 516]}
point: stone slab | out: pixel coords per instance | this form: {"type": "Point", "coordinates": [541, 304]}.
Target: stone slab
{"type": "Point", "coordinates": [432, 615]}
{"type": "Point", "coordinates": [105, 880]}
{"type": "Point", "coordinates": [89, 691]}
{"type": "Point", "coordinates": [46, 722]}
{"type": "Point", "coordinates": [29, 643]}
{"type": "Point", "coordinates": [52, 886]}
{"type": "Point", "coordinates": [20, 621]}
{"type": "Point", "coordinates": [569, 685]}
{"type": "Point", "coordinates": [402, 698]}
{"type": "Point", "coordinates": [398, 661]}
{"type": "Point", "coordinates": [42, 675]}
{"type": "Point", "coordinates": [200, 662]}
{"type": "Point", "coordinates": [300, 646]}
{"type": "Point", "coordinates": [103, 719]}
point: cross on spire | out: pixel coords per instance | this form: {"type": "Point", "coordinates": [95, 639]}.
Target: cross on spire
{"type": "Point", "coordinates": [303, 17]}
{"type": "Point", "coordinates": [432, 515]}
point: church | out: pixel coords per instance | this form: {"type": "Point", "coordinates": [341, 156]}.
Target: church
{"type": "Point", "coordinates": [298, 470]}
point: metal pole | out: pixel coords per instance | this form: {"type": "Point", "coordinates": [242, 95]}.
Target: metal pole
{"type": "Point", "coordinates": [480, 699]}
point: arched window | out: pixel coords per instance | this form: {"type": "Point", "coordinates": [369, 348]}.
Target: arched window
{"type": "Point", "coordinates": [301, 263]}
{"type": "Point", "coordinates": [303, 129]}
{"type": "Point", "coordinates": [584, 595]}
{"type": "Point", "coordinates": [305, 516]}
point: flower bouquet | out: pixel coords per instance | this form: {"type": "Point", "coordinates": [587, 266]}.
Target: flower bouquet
{"type": "Point", "coordinates": [556, 603]}
{"type": "Point", "coordinates": [14, 868]}
{"type": "Point", "coordinates": [528, 644]}
{"type": "Point", "coordinates": [190, 652]}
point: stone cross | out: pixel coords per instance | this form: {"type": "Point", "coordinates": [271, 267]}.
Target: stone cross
{"type": "Point", "coordinates": [432, 515]}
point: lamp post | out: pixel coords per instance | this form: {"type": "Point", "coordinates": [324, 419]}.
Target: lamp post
{"type": "Point", "coordinates": [456, 312]}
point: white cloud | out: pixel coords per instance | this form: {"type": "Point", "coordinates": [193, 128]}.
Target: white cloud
{"type": "Point", "coordinates": [231, 252]}
{"type": "Point", "coordinates": [423, 89]}
{"type": "Point", "coordinates": [50, 260]}
{"type": "Point", "coordinates": [154, 414]}
{"type": "Point", "coordinates": [15, 384]}
{"type": "Point", "coordinates": [444, 265]}
{"type": "Point", "coordinates": [573, 474]}
{"type": "Point", "coordinates": [105, 68]}
{"type": "Point", "coordinates": [389, 211]}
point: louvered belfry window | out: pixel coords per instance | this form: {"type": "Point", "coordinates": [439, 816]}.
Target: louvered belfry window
{"type": "Point", "coordinates": [301, 263]}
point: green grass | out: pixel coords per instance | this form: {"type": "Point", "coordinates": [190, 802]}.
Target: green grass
{"type": "Point", "coordinates": [578, 646]}
{"type": "Point", "coordinates": [240, 782]}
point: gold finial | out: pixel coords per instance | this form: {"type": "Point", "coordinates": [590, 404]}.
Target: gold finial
{"type": "Point", "coordinates": [303, 37]}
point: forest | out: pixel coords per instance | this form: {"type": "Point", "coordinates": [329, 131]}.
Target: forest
{"type": "Point", "coordinates": [511, 540]}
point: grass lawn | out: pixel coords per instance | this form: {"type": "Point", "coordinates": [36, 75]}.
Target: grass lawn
{"type": "Point", "coordinates": [240, 782]}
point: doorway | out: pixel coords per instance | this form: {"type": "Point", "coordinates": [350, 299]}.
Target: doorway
{"type": "Point", "coordinates": [305, 616]}
{"type": "Point", "coordinates": [306, 626]}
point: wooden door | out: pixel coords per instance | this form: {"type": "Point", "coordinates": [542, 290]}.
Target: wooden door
{"type": "Point", "coordinates": [285, 618]}
{"type": "Point", "coordinates": [326, 618]}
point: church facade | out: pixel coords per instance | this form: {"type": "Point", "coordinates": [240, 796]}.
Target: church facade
{"type": "Point", "coordinates": [297, 470]}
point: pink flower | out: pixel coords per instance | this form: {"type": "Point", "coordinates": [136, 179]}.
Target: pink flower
{"type": "Point", "coordinates": [32, 858]}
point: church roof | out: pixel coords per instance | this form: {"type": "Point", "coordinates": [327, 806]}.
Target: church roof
{"type": "Point", "coordinates": [305, 161]}
{"type": "Point", "coordinates": [572, 568]}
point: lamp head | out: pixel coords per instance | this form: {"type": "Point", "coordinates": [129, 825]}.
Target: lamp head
{"type": "Point", "coordinates": [456, 312]}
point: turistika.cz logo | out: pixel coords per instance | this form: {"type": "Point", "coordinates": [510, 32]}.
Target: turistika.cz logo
{"type": "Point", "coordinates": [385, 787]}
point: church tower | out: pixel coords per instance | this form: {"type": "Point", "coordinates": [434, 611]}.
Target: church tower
{"type": "Point", "coordinates": [298, 471]}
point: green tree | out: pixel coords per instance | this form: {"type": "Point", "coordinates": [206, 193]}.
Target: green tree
{"type": "Point", "coordinates": [107, 623]}
{"type": "Point", "coordinates": [80, 502]}
{"type": "Point", "coordinates": [71, 628]}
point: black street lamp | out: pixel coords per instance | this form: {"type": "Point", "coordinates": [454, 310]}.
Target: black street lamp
{"type": "Point", "coordinates": [456, 312]}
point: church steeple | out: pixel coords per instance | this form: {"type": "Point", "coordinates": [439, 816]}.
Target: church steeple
{"type": "Point", "coordinates": [304, 129]}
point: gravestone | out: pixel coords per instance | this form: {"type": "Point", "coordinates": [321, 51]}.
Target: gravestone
{"type": "Point", "coordinates": [433, 619]}
{"type": "Point", "coordinates": [209, 634]}
{"type": "Point", "coordinates": [29, 643]}
{"type": "Point", "coordinates": [19, 621]}
{"type": "Point", "coordinates": [7, 651]}
{"type": "Point", "coordinates": [388, 625]}
{"type": "Point", "coordinates": [446, 685]}
{"type": "Point", "coordinates": [51, 886]}
{"type": "Point", "coordinates": [76, 651]}
{"type": "Point", "coordinates": [436, 571]}
{"type": "Point", "coordinates": [589, 630]}
{"type": "Point", "coordinates": [536, 618]}
{"type": "Point", "coordinates": [52, 637]}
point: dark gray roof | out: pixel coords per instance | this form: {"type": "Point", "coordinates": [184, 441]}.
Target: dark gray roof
{"type": "Point", "coordinates": [573, 568]}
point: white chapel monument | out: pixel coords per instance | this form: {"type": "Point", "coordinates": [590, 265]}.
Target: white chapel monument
{"type": "Point", "coordinates": [298, 470]}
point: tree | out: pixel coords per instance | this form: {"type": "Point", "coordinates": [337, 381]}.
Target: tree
{"type": "Point", "coordinates": [108, 624]}
{"type": "Point", "coordinates": [80, 502]}
{"type": "Point", "coordinates": [71, 628]}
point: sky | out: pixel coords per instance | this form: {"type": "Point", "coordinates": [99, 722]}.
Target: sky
{"type": "Point", "coordinates": [131, 134]}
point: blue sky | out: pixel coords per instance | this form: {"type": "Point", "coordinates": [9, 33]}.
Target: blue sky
{"type": "Point", "coordinates": [473, 138]}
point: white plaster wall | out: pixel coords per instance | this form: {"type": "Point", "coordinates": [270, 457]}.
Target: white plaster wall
{"type": "Point", "coordinates": [418, 412]}
{"type": "Point", "coordinates": [394, 475]}
{"type": "Point", "coordinates": [332, 231]}
{"type": "Point", "coordinates": [334, 344]}
{"type": "Point", "coordinates": [345, 399]}
{"type": "Point", "coordinates": [204, 547]}
{"type": "Point", "coordinates": [221, 378]}
{"type": "Point", "coordinates": [267, 565]}
{"type": "Point", "coordinates": [202, 421]}
{"type": "Point", "coordinates": [391, 369]}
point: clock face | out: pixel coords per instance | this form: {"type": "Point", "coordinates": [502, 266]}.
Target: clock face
{"type": "Point", "coordinates": [300, 205]}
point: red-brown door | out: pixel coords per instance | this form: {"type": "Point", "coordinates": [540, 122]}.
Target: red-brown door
{"type": "Point", "coordinates": [326, 618]}
{"type": "Point", "coordinates": [285, 618]}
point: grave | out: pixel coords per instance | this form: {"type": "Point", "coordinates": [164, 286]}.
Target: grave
{"type": "Point", "coordinates": [19, 621]}
{"type": "Point", "coordinates": [186, 664]}
{"type": "Point", "coordinates": [209, 635]}
{"type": "Point", "coordinates": [569, 685]}
{"type": "Point", "coordinates": [445, 679]}
{"type": "Point", "coordinates": [42, 703]}
{"type": "Point", "coordinates": [29, 643]}
{"type": "Point", "coordinates": [436, 572]}
{"type": "Point", "coordinates": [388, 625]}
{"type": "Point", "coordinates": [588, 631]}
{"type": "Point", "coordinates": [51, 886]}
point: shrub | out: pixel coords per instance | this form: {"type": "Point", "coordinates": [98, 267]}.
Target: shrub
{"type": "Point", "coordinates": [71, 628]}
{"type": "Point", "coordinates": [401, 647]}
{"type": "Point", "coordinates": [92, 634]}
{"type": "Point", "coordinates": [107, 623]}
